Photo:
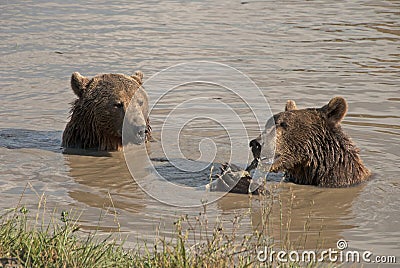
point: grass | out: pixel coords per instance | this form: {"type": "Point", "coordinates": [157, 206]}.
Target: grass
{"type": "Point", "coordinates": [55, 239]}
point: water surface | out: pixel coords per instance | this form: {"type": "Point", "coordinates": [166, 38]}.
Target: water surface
{"type": "Point", "coordinates": [306, 51]}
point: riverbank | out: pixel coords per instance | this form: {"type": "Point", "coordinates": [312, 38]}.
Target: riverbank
{"type": "Point", "coordinates": [55, 239]}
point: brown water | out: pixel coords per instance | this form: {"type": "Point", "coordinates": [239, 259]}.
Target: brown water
{"type": "Point", "coordinates": [306, 51]}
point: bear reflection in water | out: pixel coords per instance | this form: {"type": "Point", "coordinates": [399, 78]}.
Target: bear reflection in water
{"type": "Point", "coordinates": [310, 148]}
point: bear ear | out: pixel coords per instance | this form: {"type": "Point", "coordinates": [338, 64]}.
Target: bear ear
{"type": "Point", "coordinates": [78, 83]}
{"type": "Point", "coordinates": [290, 105]}
{"type": "Point", "coordinates": [138, 76]}
{"type": "Point", "coordinates": [336, 109]}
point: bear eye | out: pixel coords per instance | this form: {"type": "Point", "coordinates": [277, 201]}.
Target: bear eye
{"type": "Point", "coordinates": [119, 105]}
{"type": "Point", "coordinates": [283, 124]}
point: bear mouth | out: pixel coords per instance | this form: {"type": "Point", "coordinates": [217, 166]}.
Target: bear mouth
{"type": "Point", "coordinates": [258, 159]}
{"type": "Point", "coordinates": [270, 160]}
{"type": "Point", "coordinates": [256, 148]}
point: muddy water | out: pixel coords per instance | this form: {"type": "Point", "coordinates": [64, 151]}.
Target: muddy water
{"type": "Point", "coordinates": [306, 51]}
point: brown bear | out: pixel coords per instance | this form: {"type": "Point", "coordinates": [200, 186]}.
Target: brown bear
{"type": "Point", "coordinates": [98, 115]}
{"type": "Point", "coordinates": [310, 148]}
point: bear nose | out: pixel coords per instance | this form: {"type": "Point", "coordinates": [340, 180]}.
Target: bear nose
{"type": "Point", "coordinates": [141, 133]}
{"type": "Point", "coordinates": [255, 148]}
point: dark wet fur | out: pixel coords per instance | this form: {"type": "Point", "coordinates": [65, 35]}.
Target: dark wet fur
{"type": "Point", "coordinates": [313, 148]}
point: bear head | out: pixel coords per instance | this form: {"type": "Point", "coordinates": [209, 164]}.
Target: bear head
{"type": "Point", "coordinates": [98, 115]}
{"type": "Point", "coordinates": [310, 146]}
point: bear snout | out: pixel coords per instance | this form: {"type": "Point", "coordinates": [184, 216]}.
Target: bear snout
{"type": "Point", "coordinates": [255, 148]}
{"type": "Point", "coordinates": [141, 134]}
{"type": "Point", "coordinates": [135, 134]}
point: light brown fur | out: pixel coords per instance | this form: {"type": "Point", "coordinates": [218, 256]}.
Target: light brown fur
{"type": "Point", "coordinates": [97, 116]}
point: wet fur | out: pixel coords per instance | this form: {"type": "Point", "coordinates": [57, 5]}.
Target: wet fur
{"type": "Point", "coordinates": [311, 147]}
{"type": "Point", "coordinates": [93, 124]}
